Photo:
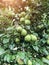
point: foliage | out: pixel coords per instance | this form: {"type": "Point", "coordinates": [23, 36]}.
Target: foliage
{"type": "Point", "coordinates": [6, 18]}
{"type": "Point", "coordinates": [28, 42]}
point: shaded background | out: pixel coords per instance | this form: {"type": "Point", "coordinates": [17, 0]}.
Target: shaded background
{"type": "Point", "coordinates": [17, 4]}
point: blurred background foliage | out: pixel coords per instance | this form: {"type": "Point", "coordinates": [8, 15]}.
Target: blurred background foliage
{"type": "Point", "coordinates": [34, 8]}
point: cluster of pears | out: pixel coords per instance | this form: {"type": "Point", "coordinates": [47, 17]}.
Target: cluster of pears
{"type": "Point", "coordinates": [25, 21]}
{"type": "Point", "coordinates": [24, 18]}
{"type": "Point", "coordinates": [27, 37]}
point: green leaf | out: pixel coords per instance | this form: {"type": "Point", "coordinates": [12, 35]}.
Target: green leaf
{"type": "Point", "coordinates": [45, 60]}
{"type": "Point", "coordinates": [21, 54]}
{"type": "Point", "coordinates": [7, 58]}
{"type": "Point", "coordinates": [1, 51]}
{"type": "Point", "coordinates": [5, 40]}
{"type": "Point", "coordinates": [39, 61]}
{"type": "Point", "coordinates": [1, 35]}
{"type": "Point", "coordinates": [13, 57]}
{"type": "Point", "coordinates": [45, 51]}
{"type": "Point", "coordinates": [36, 48]}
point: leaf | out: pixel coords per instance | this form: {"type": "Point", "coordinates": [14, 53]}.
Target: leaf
{"type": "Point", "coordinates": [34, 62]}
{"type": "Point", "coordinates": [5, 40]}
{"type": "Point", "coordinates": [22, 57]}
{"type": "Point", "coordinates": [10, 28]}
{"type": "Point", "coordinates": [45, 51]}
{"type": "Point", "coordinates": [43, 41]}
{"type": "Point", "coordinates": [36, 48]}
{"type": "Point", "coordinates": [20, 61]}
{"type": "Point", "coordinates": [21, 54]}
{"type": "Point", "coordinates": [39, 61]}
{"type": "Point", "coordinates": [1, 35]}
{"type": "Point", "coordinates": [13, 57]}
{"type": "Point", "coordinates": [11, 46]}
{"type": "Point", "coordinates": [45, 60]}
{"type": "Point", "coordinates": [7, 58]}
{"type": "Point", "coordinates": [1, 51]}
